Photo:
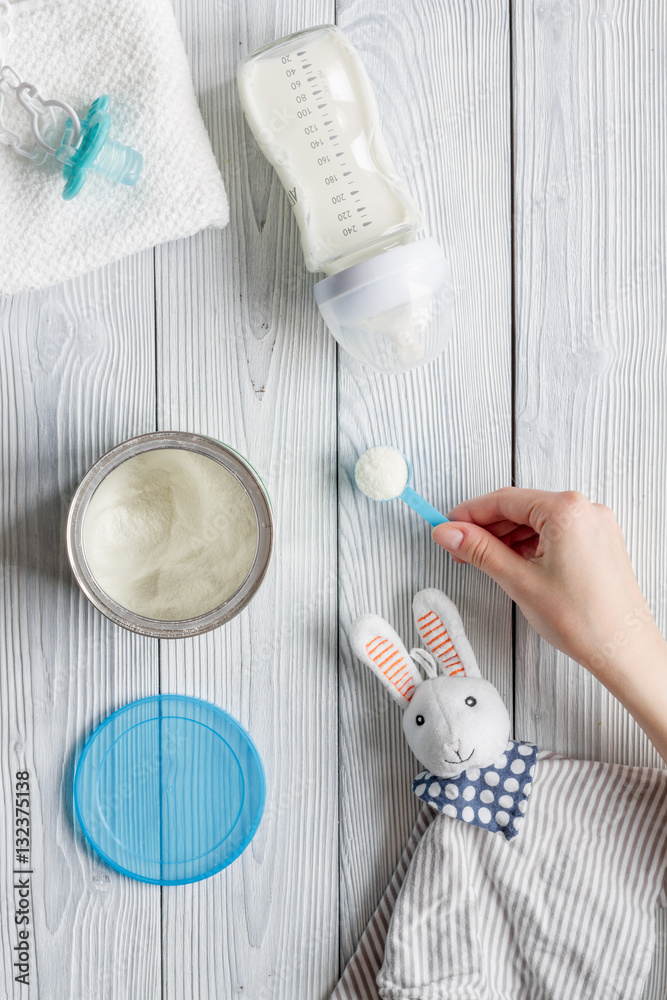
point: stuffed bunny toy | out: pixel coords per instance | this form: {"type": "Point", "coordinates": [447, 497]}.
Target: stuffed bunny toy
{"type": "Point", "coordinates": [452, 721]}
{"type": "Point", "coordinates": [496, 898]}
{"type": "Point", "coordinates": [455, 722]}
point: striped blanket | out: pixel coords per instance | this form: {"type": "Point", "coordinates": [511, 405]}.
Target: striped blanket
{"type": "Point", "coordinates": [566, 911]}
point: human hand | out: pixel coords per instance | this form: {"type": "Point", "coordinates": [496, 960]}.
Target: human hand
{"type": "Point", "coordinates": [564, 561]}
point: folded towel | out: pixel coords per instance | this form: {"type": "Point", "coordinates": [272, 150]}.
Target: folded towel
{"type": "Point", "coordinates": [567, 909]}
{"type": "Point", "coordinates": [75, 51]}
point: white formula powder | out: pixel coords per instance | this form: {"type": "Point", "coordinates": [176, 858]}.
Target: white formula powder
{"type": "Point", "coordinates": [170, 534]}
{"type": "Point", "coordinates": [382, 473]}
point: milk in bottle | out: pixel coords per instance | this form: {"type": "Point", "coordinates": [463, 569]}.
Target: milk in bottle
{"type": "Point", "coordinates": [310, 105]}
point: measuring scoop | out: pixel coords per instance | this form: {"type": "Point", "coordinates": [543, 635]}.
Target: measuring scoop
{"type": "Point", "coordinates": [384, 474]}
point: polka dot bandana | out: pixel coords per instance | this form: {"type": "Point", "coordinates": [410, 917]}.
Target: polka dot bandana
{"type": "Point", "coordinates": [495, 797]}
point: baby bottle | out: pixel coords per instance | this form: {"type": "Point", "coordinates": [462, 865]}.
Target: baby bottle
{"type": "Point", "coordinates": [387, 298]}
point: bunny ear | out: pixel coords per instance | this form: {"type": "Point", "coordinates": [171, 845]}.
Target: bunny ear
{"type": "Point", "coordinates": [441, 630]}
{"type": "Point", "coordinates": [375, 642]}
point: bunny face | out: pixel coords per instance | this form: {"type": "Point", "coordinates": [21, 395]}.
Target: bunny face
{"type": "Point", "coordinates": [453, 723]}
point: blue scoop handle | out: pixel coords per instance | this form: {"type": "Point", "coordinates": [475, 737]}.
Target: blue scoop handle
{"type": "Point", "coordinates": [423, 507]}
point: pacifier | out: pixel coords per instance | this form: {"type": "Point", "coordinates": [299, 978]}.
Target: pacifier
{"type": "Point", "coordinates": [86, 144]}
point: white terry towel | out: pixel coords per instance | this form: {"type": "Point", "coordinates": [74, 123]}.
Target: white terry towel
{"type": "Point", "coordinates": [565, 910]}
{"type": "Point", "coordinates": [75, 51]}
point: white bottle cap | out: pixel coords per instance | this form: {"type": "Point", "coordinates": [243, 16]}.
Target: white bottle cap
{"type": "Point", "coordinates": [393, 311]}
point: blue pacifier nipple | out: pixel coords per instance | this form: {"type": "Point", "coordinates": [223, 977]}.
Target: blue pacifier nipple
{"type": "Point", "coordinates": [93, 149]}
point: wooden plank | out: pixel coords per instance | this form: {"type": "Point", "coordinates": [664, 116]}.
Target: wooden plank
{"type": "Point", "coordinates": [441, 75]}
{"type": "Point", "coordinates": [76, 377]}
{"type": "Point", "coordinates": [243, 357]}
{"type": "Point", "coordinates": [591, 250]}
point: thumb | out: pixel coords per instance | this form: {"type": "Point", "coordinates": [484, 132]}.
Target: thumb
{"type": "Point", "coordinates": [472, 544]}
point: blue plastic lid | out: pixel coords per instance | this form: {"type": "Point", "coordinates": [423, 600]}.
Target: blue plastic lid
{"type": "Point", "coordinates": [169, 789]}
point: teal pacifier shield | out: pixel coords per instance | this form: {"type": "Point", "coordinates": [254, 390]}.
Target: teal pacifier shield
{"type": "Point", "coordinates": [169, 789]}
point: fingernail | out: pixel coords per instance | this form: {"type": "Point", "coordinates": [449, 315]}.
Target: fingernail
{"type": "Point", "coordinates": [449, 538]}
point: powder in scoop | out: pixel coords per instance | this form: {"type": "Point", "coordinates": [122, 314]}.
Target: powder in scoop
{"type": "Point", "coordinates": [170, 534]}
{"type": "Point", "coordinates": [382, 473]}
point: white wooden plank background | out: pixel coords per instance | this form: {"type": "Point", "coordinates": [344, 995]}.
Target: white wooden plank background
{"type": "Point", "coordinates": [243, 356]}
{"type": "Point", "coordinates": [590, 102]}
{"type": "Point", "coordinates": [562, 105]}
{"type": "Point", "coordinates": [448, 109]}
{"type": "Point", "coordinates": [76, 376]}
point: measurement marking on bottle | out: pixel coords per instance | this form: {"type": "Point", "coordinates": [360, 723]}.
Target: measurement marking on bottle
{"type": "Point", "coordinates": [314, 147]}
